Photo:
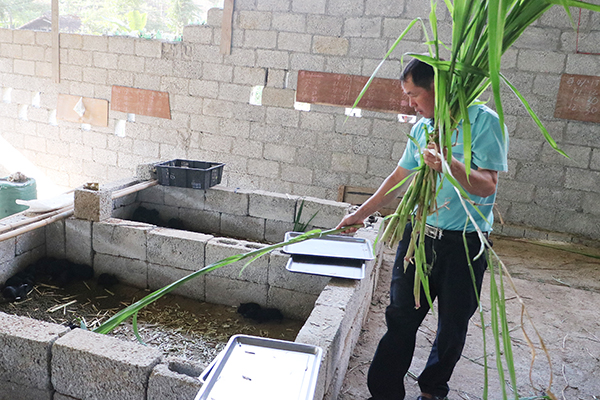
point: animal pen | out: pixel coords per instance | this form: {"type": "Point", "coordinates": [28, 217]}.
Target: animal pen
{"type": "Point", "coordinates": [48, 361]}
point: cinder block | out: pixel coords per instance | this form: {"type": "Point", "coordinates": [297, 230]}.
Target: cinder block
{"type": "Point", "coordinates": [275, 230]}
{"type": "Point", "coordinates": [310, 6]}
{"type": "Point", "coordinates": [184, 197]}
{"type": "Point", "coordinates": [331, 45]}
{"type": "Point", "coordinates": [292, 304]}
{"type": "Point", "coordinates": [260, 39]}
{"type": "Point", "coordinates": [280, 277]}
{"type": "Point", "coordinates": [200, 220]}
{"type": "Point", "coordinates": [232, 292]}
{"type": "Point", "coordinates": [251, 228]}
{"type": "Point", "coordinates": [30, 240]}
{"type": "Point", "coordinates": [176, 248]}
{"type": "Point", "coordinates": [278, 97]}
{"type": "Point", "coordinates": [160, 276]}
{"type": "Point", "coordinates": [26, 345]}
{"type": "Point", "coordinates": [119, 237]}
{"type": "Point", "coordinates": [218, 249]}
{"type": "Point", "coordinates": [274, 206]}
{"type": "Point", "coordinates": [228, 200]}
{"type": "Point", "coordinates": [214, 17]}
{"type": "Point", "coordinates": [78, 234]}
{"type": "Point", "coordinates": [93, 205]}
{"type": "Point", "coordinates": [59, 396]}
{"type": "Point", "coordinates": [273, 59]}
{"type": "Point", "coordinates": [113, 369]}
{"type": "Point", "coordinates": [330, 212]}
{"type": "Point", "coordinates": [55, 240]}
{"type": "Point", "coordinates": [166, 383]}
{"type": "Point", "coordinates": [128, 270]}
{"type": "Point", "coordinates": [152, 195]}
{"type": "Point", "coordinates": [10, 390]}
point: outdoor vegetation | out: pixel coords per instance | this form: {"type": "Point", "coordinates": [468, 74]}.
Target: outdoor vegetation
{"type": "Point", "coordinates": [161, 19]}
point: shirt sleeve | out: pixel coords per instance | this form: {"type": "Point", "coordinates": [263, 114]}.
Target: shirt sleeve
{"type": "Point", "coordinates": [411, 152]}
{"type": "Point", "coordinates": [489, 143]}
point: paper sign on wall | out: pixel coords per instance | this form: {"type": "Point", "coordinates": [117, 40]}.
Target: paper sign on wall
{"type": "Point", "coordinates": [82, 110]}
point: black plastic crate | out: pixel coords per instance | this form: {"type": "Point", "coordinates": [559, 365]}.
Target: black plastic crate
{"type": "Point", "coordinates": [190, 174]}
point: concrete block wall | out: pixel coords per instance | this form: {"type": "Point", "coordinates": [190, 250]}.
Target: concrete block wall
{"type": "Point", "coordinates": [275, 147]}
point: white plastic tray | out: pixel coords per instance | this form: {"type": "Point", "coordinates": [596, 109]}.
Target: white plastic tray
{"type": "Point", "coordinates": [327, 266]}
{"type": "Point", "coordinates": [331, 246]}
{"type": "Point", "coordinates": [255, 368]}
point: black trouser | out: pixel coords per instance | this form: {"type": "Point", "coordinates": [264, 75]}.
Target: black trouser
{"type": "Point", "coordinates": [451, 282]}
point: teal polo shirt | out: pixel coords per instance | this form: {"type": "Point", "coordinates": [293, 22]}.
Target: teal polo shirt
{"type": "Point", "coordinates": [489, 147]}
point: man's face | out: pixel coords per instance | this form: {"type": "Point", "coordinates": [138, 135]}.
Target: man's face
{"type": "Point", "coordinates": [422, 100]}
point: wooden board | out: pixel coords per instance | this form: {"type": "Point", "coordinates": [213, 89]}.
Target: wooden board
{"type": "Point", "coordinates": [578, 98]}
{"type": "Point", "coordinates": [140, 102]}
{"type": "Point", "coordinates": [356, 195]}
{"type": "Point", "coordinates": [96, 110]}
{"type": "Point", "coordinates": [226, 27]}
{"type": "Point", "coordinates": [342, 90]}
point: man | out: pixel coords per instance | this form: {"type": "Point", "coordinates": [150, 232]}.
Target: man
{"type": "Point", "coordinates": [450, 278]}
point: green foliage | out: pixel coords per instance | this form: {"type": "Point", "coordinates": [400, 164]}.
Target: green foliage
{"type": "Point", "coordinates": [15, 13]}
{"type": "Point", "coordinates": [302, 226]}
{"type": "Point", "coordinates": [137, 21]}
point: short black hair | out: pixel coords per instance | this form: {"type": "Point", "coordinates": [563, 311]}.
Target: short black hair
{"type": "Point", "coordinates": [421, 73]}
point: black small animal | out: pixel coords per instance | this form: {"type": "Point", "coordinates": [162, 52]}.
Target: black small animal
{"type": "Point", "coordinates": [107, 280]}
{"type": "Point", "coordinates": [143, 214]}
{"type": "Point", "coordinates": [256, 313]}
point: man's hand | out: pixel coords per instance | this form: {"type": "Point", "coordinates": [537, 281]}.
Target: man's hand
{"type": "Point", "coordinates": [433, 158]}
{"type": "Point", "coordinates": [348, 220]}
{"type": "Point", "coordinates": [481, 182]}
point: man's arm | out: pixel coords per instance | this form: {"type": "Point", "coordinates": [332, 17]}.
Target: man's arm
{"type": "Point", "coordinates": [376, 201]}
{"type": "Point", "coordinates": [481, 182]}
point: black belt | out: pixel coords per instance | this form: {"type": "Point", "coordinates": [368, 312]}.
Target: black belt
{"type": "Point", "coordinates": [437, 233]}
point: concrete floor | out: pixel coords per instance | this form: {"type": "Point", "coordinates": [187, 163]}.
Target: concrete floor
{"type": "Point", "coordinates": [561, 291]}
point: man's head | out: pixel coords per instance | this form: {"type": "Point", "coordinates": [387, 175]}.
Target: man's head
{"type": "Point", "coordinates": [418, 84]}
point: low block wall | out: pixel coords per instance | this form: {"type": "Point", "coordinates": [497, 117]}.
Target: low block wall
{"type": "Point", "coordinates": [148, 256]}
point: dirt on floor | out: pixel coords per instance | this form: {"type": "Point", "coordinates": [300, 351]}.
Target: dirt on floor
{"type": "Point", "coordinates": [560, 287]}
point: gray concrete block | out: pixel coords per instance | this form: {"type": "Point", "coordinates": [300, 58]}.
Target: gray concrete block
{"type": "Point", "coordinates": [168, 384]}
{"type": "Point", "coordinates": [93, 205]}
{"type": "Point", "coordinates": [580, 179]}
{"type": "Point", "coordinates": [541, 61]}
{"type": "Point", "coordinates": [288, 22]}
{"type": "Point", "coordinates": [119, 237]}
{"type": "Point", "coordinates": [78, 241]}
{"type": "Point", "coordinates": [330, 45]}
{"type": "Point", "coordinates": [55, 240]}
{"type": "Point", "coordinates": [30, 240]}
{"type": "Point", "coordinates": [113, 369]}
{"type": "Point", "coordinates": [292, 304]}
{"type": "Point", "coordinates": [278, 97]}
{"type": "Point", "coordinates": [160, 276]}
{"type": "Point", "coordinates": [280, 277]}
{"type": "Point", "coordinates": [176, 248]}
{"type": "Point", "coordinates": [274, 206]}
{"type": "Point", "coordinates": [145, 172]}
{"type": "Point", "coordinates": [227, 200]}
{"type": "Point", "coordinates": [330, 212]}
{"type": "Point", "coordinates": [128, 270]}
{"type": "Point", "coordinates": [310, 6]}
{"type": "Point", "coordinates": [59, 396]}
{"type": "Point", "coordinates": [275, 230]}
{"type": "Point", "coordinates": [201, 221]}
{"type": "Point", "coordinates": [233, 292]}
{"type": "Point", "coordinates": [26, 345]}
{"type": "Point", "coordinates": [218, 249]}
{"type": "Point", "coordinates": [250, 228]}
{"type": "Point", "coordinates": [184, 197]}
{"type": "Point", "coordinates": [15, 391]}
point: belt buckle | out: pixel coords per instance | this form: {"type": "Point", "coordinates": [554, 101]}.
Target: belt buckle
{"type": "Point", "coordinates": [433, 232]}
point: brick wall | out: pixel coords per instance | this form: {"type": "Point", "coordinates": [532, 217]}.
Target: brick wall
{"type": "Point", "coordinates": [275, 147]}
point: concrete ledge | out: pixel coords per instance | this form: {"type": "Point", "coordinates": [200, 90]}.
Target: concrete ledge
{"type": "Point", "coordinates": [160, 276]}
{"type": "Point", "coordinates": [113, 369]}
